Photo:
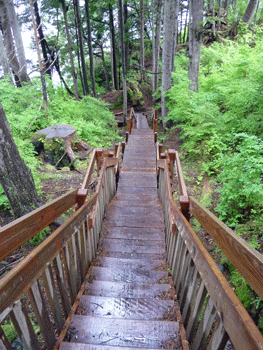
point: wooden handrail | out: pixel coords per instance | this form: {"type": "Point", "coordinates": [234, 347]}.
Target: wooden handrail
{"type": "Point", "coordinates": [17, 281]}
{"type": "Point", "coordinates": [189, 259]}
{"type": "Point", "coordinates": [246, 259]}
{"type": "Point", "coordinates": [18, 232]}
{"type": "Point", "coordinates": [89, 171]}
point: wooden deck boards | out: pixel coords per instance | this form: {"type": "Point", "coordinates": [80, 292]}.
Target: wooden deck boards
{"type": "Point", "coordinates": [129, 298]}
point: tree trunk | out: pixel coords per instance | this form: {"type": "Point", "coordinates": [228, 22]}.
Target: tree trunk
{"type": "Point", "coordinates": [226, 7]}
{"type": "Point", "coordinates": [18, 41]}
{"type": "Point", "coordinates": [142, 38]}
{"type": "Point", "coordinates": [153, 42]}
{"type": "Point", "coordinates": [175, 30]}
{"type": "Point", "coordinates": [170, 7]}
{"type": "Point", "coordinates": [42, 39]}
{"type": "Point", "coordinates": [81, 48]}
{"type": "Point", "coordinates": [74, 75]}
{"type": "Point", "coordinates": [219, 13]}
{"type": "Point", "coordinates": [113, 48]}
{"type": "Point", "coordinates": [157, 43]}
{"type": "Point", "coordinates": [15, 177]}
{"type": "Point", "coordinates": [250, 11]}
{"type": "Point", "coordinates": [9, 44]}
{"type": "Point", "coordinates": [124, 86]}
{"type": "Point", "coordinates": [92, 76]}
{"type": "Point", "coordinates": [41, 68]}
{"type": "Point", "coordinates": [104, 67]}
{"type": "Point", "coordinates": [3, 57]}
{"type": "Point", "coordinates": [185, 27]}
{"type": "Point", "coordinates": [126, 33]}
{"type": "Point", "coordinates": [195, 42]}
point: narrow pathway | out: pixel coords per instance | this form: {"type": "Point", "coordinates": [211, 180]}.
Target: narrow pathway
{"type": "Point", "coordinates": [129, 300]}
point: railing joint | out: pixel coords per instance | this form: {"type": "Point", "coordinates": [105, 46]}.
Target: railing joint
{"type": "Point", "coordinates": [81, 197]}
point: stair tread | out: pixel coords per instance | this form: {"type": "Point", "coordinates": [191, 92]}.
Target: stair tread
{"type": "Point", "coordinates": [81, 346]}
{"type": "Point", "coordinates": [148, 234]}
{"type": "Point", "coordinates": [130, 308]}
{"type": "Point", "coordinates": [129, 290]}
{"type": "Point", "coordinates": [132, 246]}
{"type": "Point", "coordinates": [140, 264]}
{"type": "Point", "coordinates": [123, 332]}
{"type": "Point", "coordinates": [125, 274]}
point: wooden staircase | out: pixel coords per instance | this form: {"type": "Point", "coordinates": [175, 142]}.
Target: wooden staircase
{"type": "Point", "coordinates": [129, 299]}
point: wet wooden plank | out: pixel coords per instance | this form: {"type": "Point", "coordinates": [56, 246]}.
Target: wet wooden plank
{"type": "Point", "coordinates": [132, 246]}
{"type": "Point", "coordinates": [115, 332]}
{"type": "Point", "coordinates": [79, 346]}
{"type": "Point", "coordinates": [135, 200]}
{"type": "Point", "coordinates": [142, 264]}
{"type": "Point", "coordinates": [125, 274]}
{"type": "Point", "coordinates": [126, 308]}
{"type": "Point", "coordinates": [138, 180]}
{"type": "Point", "coordinates": [152, 211]}
{"type": "Point", "coordinates": [150, 191]}
{"type": "Point", "coordinates": [163, 291]}
{"type": "Point", "coordinates": [142, 233]}
{"type": "Point", "coordinates": [135, 220]}
{"type": "Point", "coordinates": [133, 255]}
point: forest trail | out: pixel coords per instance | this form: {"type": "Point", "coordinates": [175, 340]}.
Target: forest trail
{"type": "Point", "coordinates": [129, 300]}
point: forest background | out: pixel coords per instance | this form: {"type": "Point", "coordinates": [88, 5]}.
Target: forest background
{"type": "Point", "coordinates": [212, 100]}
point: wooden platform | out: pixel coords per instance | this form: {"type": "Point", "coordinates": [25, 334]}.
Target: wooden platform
{"type": "Point", "coordinates": [129, 299]}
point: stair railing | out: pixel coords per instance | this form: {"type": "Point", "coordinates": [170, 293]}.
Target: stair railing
{"type": "Point", "coordinates": [211, 311]}
{"type": "Point", "coordinates": [131, 123]}
{"type": "Point", "coordinates": [37, 295]}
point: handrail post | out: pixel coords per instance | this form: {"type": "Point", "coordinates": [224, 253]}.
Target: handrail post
{"type": "Point", "coordinates": [98, 158]}
{"type": "Point", "coordinates": [116, 149]}
{"type": "Point", "coordinates": [184, 202]}
{"type": "Point", "coordinates": [171, 157]}
{"type": "Point", "coordinates": [129, 125]}
{"type": "Point", "coordinates": [123, 144]}
{"type": "Point", "coordinates": [81, 197]}
{"type": "Point", "coordinates": [127, 136]}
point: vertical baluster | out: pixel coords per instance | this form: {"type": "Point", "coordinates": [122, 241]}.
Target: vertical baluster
{"type": "Point", "coordinates": [187, 282]}
{"type": "Point", "coordinates": [82, 247]}
{"type": "Point", "coordinates": [69, 264]}
{"type": "Point", "coordinates": [205, 324]}
{"type": "Point", "coordinates": [180, 263]}
{"type": "Point", "coordinates": [23, 326]}
{"type": "Point", "coordinates": [219, 337]}
{"type": "Point", "coordinates": [41, 313]}
{"type": "Point", "coordinates": [4, 343]}
{"type": "Point", "coordinates": [196, 309]}
{"type": "Point", "coordinates": [190, 296]}
{"type": "Point", "coordinates": [183, 271]}
{"type": "Point", "coordinates": [53, 298]}
{"type": "Point", "coordinates": [62, 284]}
{"type": "Point", "coordinates": [80, 259]}
{"type": "Point", "coordinates": [175, 263]}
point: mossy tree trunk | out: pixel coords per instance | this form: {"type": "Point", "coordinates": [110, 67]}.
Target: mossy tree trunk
{"type": "Point", "coordinates": [15, 177]}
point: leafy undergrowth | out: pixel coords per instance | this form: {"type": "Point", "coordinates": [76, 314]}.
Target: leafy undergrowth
{"type": "Point", "coordinates": [221, 130]}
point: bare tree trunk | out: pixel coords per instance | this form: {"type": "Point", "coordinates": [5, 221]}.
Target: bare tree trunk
{"type": "Point", "coordinates": [157, 42]}
{"type": "Point", "coordinates": [81, 48]}
{"type": "Point", "coordinates": [41, 68]}
{"type": "Point", "coordinates": [104, 67]}
{"type": "Point", "coordinates": [15, 177]}
{"type": "Point", "coordinates": [142, 38]}
{"type": "Point", "coordinates": [195, 41]}
{"type": "Point", "coordinates": [18, 41]}
{"type": "Point", "coordinates": [226, 7]}
{"type": "Point", "coordinates": [74, 75]}
{"type": "Point", "coordinates": [92, 76]}
{"type": "Point", "coordinates": [186, 25]}
{"type": "Point", "coordinates": [153, 43]}
{"type": "Point", "coordinates": [175, 30]}
{"type": "Point", "coordinates": [126, 31]}
{"type": "Point", "coordinates": [113, 47]}
{"type": "Point", "coordinates": [9, 44]}
{"type": "Point", "coordinates": [170, 9]}
{"type": "Point", "coordinates": [3, 57]}
{"type": "Point", "coordinates": [124, 86]}
{"type": "Point", "coordinates": [250, 11]}
{"type": "Point", "coordinates": [219, 13]}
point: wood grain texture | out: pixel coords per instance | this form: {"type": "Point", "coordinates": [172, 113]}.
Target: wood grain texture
{"type": "Point", "coordinates": [246, 259]}
{"type": "Point", "coordinates": [18, 232]}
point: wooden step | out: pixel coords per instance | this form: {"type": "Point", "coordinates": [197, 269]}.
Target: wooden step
{"type": "Point", "coordinates": [124, 332]}
{"type": "Point", "coordinates": [124, 200]}
{"type": "Point", "coordinates": [135, 220]}
{"type": "Point", "coordinates": [123, 274]}
{"type": "Point", "coordinates": [133, 264]}
{"type": "Point", "coordinates": [152, 212]}
{"type": "Point", "coordinates": [150, 191]}
{"type": "Point", "coordinates": [127, 308]}
{"type": "Point", "coordinates": [79, 346]}
{"type": "Point", "coordinates": [132, 246]}
{"type": "Point", "coordinates": [134, 233]}
{"type": "Point", "coordinates": [162, 291]}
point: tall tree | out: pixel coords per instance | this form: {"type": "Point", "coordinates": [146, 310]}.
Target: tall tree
{"type": "Point", "coordinates": [142, 37]}
{"type": "Point", "coordinates": [74, 75]}
{"type": "Point", "coordinates": [81, 47]}
{"type": "Point", "coordinates": [3, 57]}
{"type": "Point", "coordinates": [9, 32]}
{"type": "Point", "coordinates": [250, 11]}
{"type": "Point", "coordinates": [124, 85]}
{"type": "Point", "coordinates": [113, 49]}
{"type": "Point", "coordinates": [92, 76]}
{"type": "Point", "coordinates": [15, 177]}
{"type": "Point", "coordinates": [170, 11]}
{"type": "Point", "coordinates": [195, 41]}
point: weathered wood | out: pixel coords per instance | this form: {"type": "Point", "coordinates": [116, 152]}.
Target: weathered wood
{"type": "Point", "coordinates": [246, 259]}
{"type": "Point", "coordinates": [23, 326]}
{"type": "Point", "coordinates": [13, 235]}
{"type": "Point", "coordinates": [219, 337]}
{"type": "Point", "coordinates": [80, 346]}
{"type": "Point", "coordinates": [4, 343]}
{"type": "Point", "coordinates": [17, 281]}
{"type": "Point", "coordinates": [125, 308]}
{"type": "Point", "coordinates": [129, 290]}
{"type": "Point", "coordinates": [41, 313]}
{"type": "Point", "coordinates": [183, 190]}
{"type": "Point", "coordinates": [138, 333]}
